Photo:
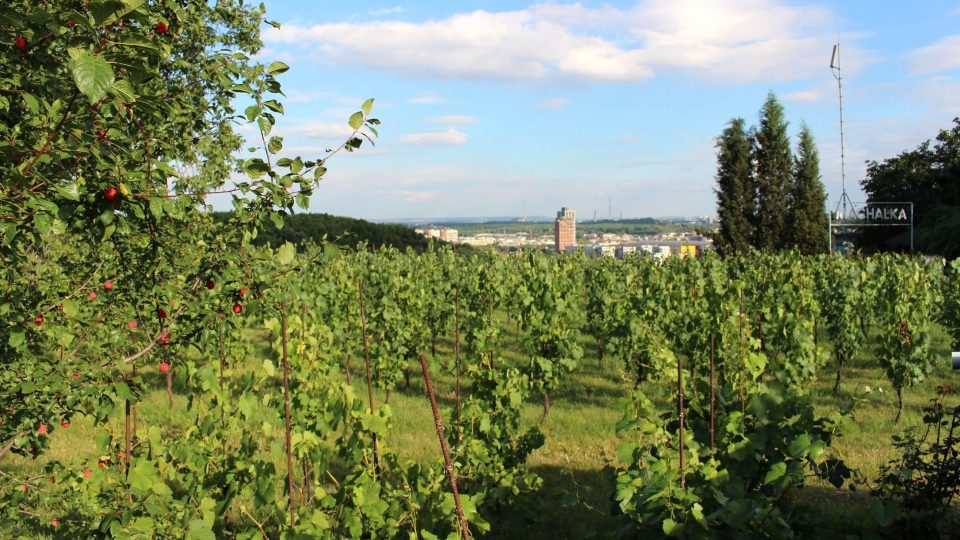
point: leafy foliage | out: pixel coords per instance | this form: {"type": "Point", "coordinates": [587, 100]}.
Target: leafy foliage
{"type": "Point", "coordinates": [917, 489]}
{"type": "Point", "coordinates": [926, 176]}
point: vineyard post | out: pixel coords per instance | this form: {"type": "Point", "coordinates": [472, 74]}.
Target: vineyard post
{"type": "Point", "coordinates": [683, 478]}
{"type": "Point", "coordinates": [286, 411]}
{"type": "Point", "coordinates": [306, 464]}
{"type": "Point", "coordinates": [366, 360]}
{"type": "Point", "coordinates": [713, 395]}
{"type": "Point", "coordinates": [456, 350]}
{"type": "Point", "coordinates": [464, 526]}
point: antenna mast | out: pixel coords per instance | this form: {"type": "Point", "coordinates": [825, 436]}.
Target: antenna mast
{"type": "Point", "coordinates": [845, 206]}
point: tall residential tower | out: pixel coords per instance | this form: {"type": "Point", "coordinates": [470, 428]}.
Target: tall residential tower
{"type": "Point", "coordinates": [565, 229]}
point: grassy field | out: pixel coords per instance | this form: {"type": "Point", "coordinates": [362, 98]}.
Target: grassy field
{"type": "Point", "coordinates": [578, 459]}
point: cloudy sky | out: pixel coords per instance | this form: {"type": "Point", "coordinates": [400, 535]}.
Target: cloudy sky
{"type": "Point", "coordinates": [487, 104]}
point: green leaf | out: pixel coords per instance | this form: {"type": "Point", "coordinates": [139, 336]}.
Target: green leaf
{"type": "Point", "coordinates": [356, 120]}
{"type": "Point", "coordinates": [69, 192]}
{"type": "Point", "coordinates": [275, 144]}
{"type": "Point", "coordinates": [92, 75]}
{"type": "Point", "coordinates": [106, 13]}
{"type": "Point", "coordinates": [123, 90]}
{"type": "Point", "coordinates": [798, 447]}
{"type": "Point", "coordinates": [32, 103]}
{"type": "Point", "coordinates": [200, 531]}
{"type": "Point", "coordinates": [156, 207]}
{"type": "Point", "coordinates": [286, 253]}
{"type": "Point", "coordinates": [274, 106]}
{"type": "Point", "coordinates": [367, 106]}
{"type": "Point", "coordinates": [671, 527]}
{"type": "Point", "coordinates": [777, 470]}
{"type": "Point", "coordinates": [277, 68]}
{"type": "Point", "coordinates": [268, 368]}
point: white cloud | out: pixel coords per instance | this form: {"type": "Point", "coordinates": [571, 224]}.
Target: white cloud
{"type": "Point", "coordinates": [452, 119]}
{"type": "Point", "coordinates": [386, 11]}
{"type": "Point", "coordinates": [802, 96]}
{"type": "Point", "coordinates": [451, 136]}
{"type": "Point", "coordinates": [730, 41]}
{"type": "Point", "coordinates": [940, 95]}
{"type": "Point", "coordinates": [553, 103]}
{"type": "Point", "coordinates": [944, 55]}
{"type": "Point", "coordinates": [427, 98]}
{"type": "Point", "coordinates": [319, 130]}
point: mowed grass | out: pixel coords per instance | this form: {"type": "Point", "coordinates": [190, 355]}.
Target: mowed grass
{"type": "Point", "coordinates": [577, 462]}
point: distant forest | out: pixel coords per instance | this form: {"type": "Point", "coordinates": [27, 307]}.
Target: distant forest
{"type": "Point", "coordinates": [344, 231]}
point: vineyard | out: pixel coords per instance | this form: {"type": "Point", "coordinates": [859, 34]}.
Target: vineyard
{"type": "Point", "coordinates": [165, 377]}
{"type": "Point", "coordinates": [267, 406]}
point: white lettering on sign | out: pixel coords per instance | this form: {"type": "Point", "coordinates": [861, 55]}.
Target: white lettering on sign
{"type": "Point", "coordinates": [882, 213]}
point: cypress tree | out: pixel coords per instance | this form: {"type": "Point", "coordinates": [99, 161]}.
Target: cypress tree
{"type": "Point", "coordinates": [774, 177]}
{"type": "Point", "coordinates": [735, 190]}
{"type": "Point", "coordinates": [809, 216]}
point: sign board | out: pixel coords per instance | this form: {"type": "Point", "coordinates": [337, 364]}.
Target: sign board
{"type": "Point", "coordinates": [851, 217]}
{"type": "Point", "coordinates": [875, 213]}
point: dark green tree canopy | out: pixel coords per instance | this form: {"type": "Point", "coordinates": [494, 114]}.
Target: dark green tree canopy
{"type": "Point", "coordinates": [774, 163]}
{"type": "Point", "coordinates": [808, 229]}
{"type": "Point", "coordinates": [767, 199]}
{"type": "Point", "coordinates": [736, 206]}
{"type": "Point", "coordinates": [929, 177]}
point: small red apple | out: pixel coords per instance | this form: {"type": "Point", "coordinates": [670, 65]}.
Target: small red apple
{"type": "Point", "coordinates": [23, 488]}
{"type": "Point", "coordinates": [42, 429]}
{"type": "Point", "coordinates": [65, 424]}
{"type": "Point", "coordinates": [108, 285]}
{"type": "Point", "coordinates": [92, 295]}
{"type": "Point", "coordinates": [76, 375]}
{"type": "Point", "coordinates": [100, 463]}
{"type": "Point", "coordinates": [132, 324]}
{"type": "Point", "coordinates": [38, 320]}
{"type": "Point", "coordinates": [55, 522]}
{"type": "Point", "coordinates": [161, 27]}
{"type": "Point", "coordinates": [237, 308]}
{"type": "Point", "coordinates": [211, 284]}
{"type": "Point", "coordinates": [20, 43]}
{"type": "Point", "coordinates": [243, 291]}
{"type": "Point", "coordinates": [161, 313]}
{"type": "Point", "coordinates": [87, 473]}
{"type": "Point", "coordinates": [110, 193]}
{"type": "Point", "coordinates": [164, 367]}
{"type": "Point", "coordinates": [165, 340]}
{"type": "Point", "coordinates": [101, 134]}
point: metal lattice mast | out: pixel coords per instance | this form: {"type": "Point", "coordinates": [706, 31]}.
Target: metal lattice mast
{"type": "Point", "coordinates": [845, 206]}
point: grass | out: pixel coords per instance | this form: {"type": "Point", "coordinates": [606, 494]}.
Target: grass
{"type": "Point", "coordinates": [578, 459]}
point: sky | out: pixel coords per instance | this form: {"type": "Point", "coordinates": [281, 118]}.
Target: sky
{"type": "Point", "coordinates": [501, 108]}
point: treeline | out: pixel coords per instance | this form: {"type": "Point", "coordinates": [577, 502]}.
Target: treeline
{"type": "Point", "coordinates": [769, 198]}
{"type": "Point", "coordinates": [929, 177]}
{"type": "Point", "coordinates": [299, 229]}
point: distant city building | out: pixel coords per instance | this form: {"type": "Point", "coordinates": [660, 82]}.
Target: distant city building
{"type": "Point", "coordinates": [565, 230]}
{"type": "Point", "coordinates": [445, 234]}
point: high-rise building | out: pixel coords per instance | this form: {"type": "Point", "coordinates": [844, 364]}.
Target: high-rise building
{"type": "Point", "coordinates": [565, 229]}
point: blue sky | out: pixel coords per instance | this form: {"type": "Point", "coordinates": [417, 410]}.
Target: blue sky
{"type": "Point", "coordinates": [485, 104]}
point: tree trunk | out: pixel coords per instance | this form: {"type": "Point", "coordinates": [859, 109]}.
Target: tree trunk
{"type": "Point", "coordinates": [836, 385]}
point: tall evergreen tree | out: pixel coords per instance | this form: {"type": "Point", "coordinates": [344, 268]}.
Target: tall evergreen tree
{"type": "Point", "coordinates": [774, 177]}
{"type": "Point", "coordinates": [736, 206]}
{"type": "Point", "coordinates": [808, 213]}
